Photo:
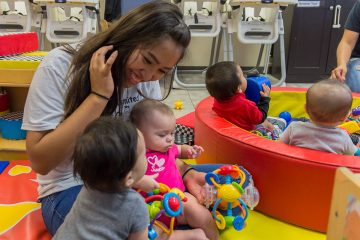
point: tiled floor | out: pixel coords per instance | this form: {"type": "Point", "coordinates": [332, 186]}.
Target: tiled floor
{"type": "Point", "coordinates": [191, 97]}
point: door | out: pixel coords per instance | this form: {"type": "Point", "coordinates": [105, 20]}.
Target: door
{"type": "Point", "coordinates": [337, 31]}
{"type": "Point", "coordinates": [309, 41]}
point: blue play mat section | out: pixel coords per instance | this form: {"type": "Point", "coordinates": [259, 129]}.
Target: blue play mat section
{"type": "Point", "coordinates": [3, 165]}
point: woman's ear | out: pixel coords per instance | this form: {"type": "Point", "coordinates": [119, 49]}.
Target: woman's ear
{"type": "Point", "coordinates": [129, 180]}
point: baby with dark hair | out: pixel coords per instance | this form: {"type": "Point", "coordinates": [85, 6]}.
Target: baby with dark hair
{"type": "Point", "coordinates": [109, 157]}
{"type": "Point", "coordinates": [225, 82]}
{"type": "Point", "coordinates": [328, 104]}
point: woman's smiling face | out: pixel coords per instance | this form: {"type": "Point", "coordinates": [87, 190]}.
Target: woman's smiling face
{"type": "Point", "coordinates": [150, 64]}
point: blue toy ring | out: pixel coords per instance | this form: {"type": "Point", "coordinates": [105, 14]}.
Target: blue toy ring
{"type": "Point", "coordinates": [166, 206]}
{"type": "Point", "coordinates": [238, 223]}
{"type": "Point", "coordinates": [152, 233]}
{"type": "Point", "coordinates": [210, 175]}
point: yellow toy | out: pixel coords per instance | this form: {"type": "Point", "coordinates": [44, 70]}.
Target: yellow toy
{"type": "Point", "coordinates": [178, 105]}
{"type": "Point", "coordinates": [228, 197]}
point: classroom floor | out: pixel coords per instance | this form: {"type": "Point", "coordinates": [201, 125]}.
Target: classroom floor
{"type": "Point", "coordinates": [192, 96]}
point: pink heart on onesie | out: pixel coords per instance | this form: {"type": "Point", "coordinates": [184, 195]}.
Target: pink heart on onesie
{"type": "Point", "coordinates": [156, 163]}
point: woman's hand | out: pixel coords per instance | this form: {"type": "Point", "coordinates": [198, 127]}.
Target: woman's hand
{"type": "Point", "coordinates": [339, 73]}
{"type": "Point", "coordinates": [100, 71]}
{"type": "Point", "coordinates": [194, 182]}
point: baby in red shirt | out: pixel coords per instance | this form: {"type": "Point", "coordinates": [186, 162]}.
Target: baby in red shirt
{"type": "Point", "coordinates": [225, 82]}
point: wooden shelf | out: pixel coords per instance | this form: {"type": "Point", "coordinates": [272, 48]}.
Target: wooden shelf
{"type": "Point", "coordinates": [12, 149]}
{"type": "Point", "coordinates": [16, 77]}
{"type": "Point", "coordinates": [15, 149]}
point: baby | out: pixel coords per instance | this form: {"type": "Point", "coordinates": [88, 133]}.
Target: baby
{"type": "Point", "coordinates": [328, 104]}
{"type": "Point", "coordinates": [157, 123]}
{"type": "Point", "coordinates": [226, 83]}
{"type": "Point", "coordinates": [110, 159]}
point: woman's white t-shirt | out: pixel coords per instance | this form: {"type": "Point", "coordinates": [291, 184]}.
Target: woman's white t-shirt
{"type": "Point", "coordinates": [44, 110]}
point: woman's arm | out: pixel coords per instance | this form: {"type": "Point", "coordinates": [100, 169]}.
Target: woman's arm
{"type": "Point", "coordinates": [46, 149]}
{"type": "Point", "coordinates": [193, 180]}
{"type": "Point", "coordinates": [343, 54]}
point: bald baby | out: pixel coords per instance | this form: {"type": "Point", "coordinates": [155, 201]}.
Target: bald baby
{"type": "Point", "coordinates": [328, 102]}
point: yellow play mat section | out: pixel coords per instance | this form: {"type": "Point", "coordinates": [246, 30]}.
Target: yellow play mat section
{"type": "Point", "coordinates": [293, 100]}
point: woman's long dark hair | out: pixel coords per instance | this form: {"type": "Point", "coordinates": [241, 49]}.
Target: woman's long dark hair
{"type": "Point", "coordinates": [144, 26]}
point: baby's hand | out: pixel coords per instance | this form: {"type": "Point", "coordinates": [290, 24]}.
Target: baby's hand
{"type": "Point", "coordinates": [194, 151]}
{"type": "Point", "coordinates": [266, 91]}
{"type": "Point", "coordinates": [268, 125]}
{"type": "Point", "coordinates": [148, 183]}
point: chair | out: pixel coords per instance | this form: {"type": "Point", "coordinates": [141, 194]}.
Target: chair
{"type": "Point", "coordinates": [253, 29]}
{"type": "Point", "coordinates": [14, 20]}
{"type": "Point", "coordinates": [63, 25]}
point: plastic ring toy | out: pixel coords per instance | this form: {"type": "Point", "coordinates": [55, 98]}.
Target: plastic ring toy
{"type": "Point", "coordinates": [153, 209]}
{"type": "Point", "coordinates": [170, 212]}
{"type": "Point", "coordinates": [243, 205]}
{"type": "Point", "coordinates": [220, 224]}
{"type": "Point", "coordinates": [210, 175]}
{"type": "Point", "coordinates": [238, 187]}
{"type": "Point", "coordinates": [238, 223]}
{"type": "Point", "coordinates": [163, 188]}
{"type": "Point", "coordinates": [152, 233]}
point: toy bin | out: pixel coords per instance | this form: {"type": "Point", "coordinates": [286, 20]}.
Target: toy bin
{"type": "Point", "coordinates": [10, 126]}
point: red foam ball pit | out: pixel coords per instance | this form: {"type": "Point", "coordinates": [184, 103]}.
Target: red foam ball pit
{"type": "Point", "coordinates": [295, 184]}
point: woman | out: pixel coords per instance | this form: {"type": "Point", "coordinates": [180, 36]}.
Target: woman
{"type": "Point", "coordinates": [348, 52]}
{"type": "Point", "coordinates": [106, 75]}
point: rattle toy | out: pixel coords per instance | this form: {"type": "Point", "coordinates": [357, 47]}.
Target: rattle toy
{"type": "Point", "coordinates": [164, 201]}
{"type": "Point", "coordinates": [228, 196]}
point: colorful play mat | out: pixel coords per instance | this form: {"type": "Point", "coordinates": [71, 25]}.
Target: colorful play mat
{"type": "Point", "coordinates": [20, 214]}
{"type": "Point", "coordinates": [295, 184]}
